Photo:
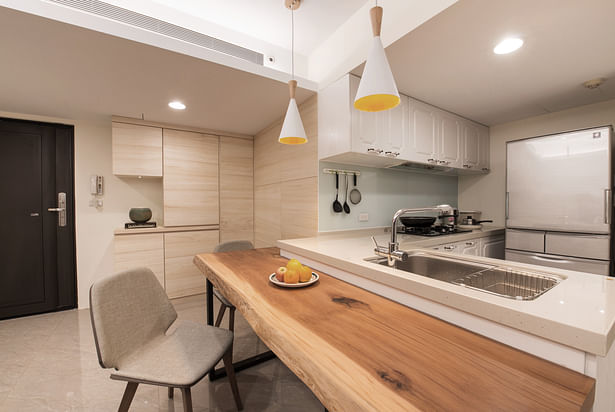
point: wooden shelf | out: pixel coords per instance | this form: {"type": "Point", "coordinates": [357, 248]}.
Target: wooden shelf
{"type": "Point", "coordinates": [164, 229]}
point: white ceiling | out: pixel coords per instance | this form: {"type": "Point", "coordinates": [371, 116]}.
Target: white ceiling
{"type": "Point", "coordinates": [55, 69]}
{"type": "Point", "coordinates": [448, 61]}
{"type": "Point", "coordinates": [269, 20]}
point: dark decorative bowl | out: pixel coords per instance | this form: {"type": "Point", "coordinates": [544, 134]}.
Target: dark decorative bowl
{"type": "Point", "coordinates": [140, 214]}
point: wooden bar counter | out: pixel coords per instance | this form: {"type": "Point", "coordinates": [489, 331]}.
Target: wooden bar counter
{"type": "Point", "coordinates": [358, 351]}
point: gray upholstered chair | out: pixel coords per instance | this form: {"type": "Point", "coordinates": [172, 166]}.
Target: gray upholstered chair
{"type": "Point", "coordinates": [224, 303]}
{"type": "Point", "coordinates": [131, 318]}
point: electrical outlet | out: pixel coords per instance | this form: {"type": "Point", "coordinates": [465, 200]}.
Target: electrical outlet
{"type": "Point", "coordinates": [363, 217]}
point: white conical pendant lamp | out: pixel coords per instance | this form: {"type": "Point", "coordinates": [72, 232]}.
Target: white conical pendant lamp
{"type": "Point", "coordinates": [377, 89]}
{"type": "Point", "coordinates": [292, 128]}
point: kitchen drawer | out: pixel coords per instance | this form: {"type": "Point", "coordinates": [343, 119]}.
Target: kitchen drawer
{"type": "Point", "coordinates": [598, 267]}
{"type": "Point", "coordinates": [573, 244]}
{"type": "Point", "coordinates": [528, 240]}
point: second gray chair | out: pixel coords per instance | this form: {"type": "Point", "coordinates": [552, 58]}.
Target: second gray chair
{"type": "Point", "coordinates": [131, 318]}
{"type": "Point", "coordinates": [224, 303]}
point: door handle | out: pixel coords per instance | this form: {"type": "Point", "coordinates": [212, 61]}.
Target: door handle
{"type": "Point", "coordinates": [60, 210]}
{"type": "Point", "coordinates": [608, 201]}
{"type": "Point", "coordinates": [506, 204]}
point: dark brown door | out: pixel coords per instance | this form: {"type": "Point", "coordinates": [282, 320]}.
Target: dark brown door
{"type": "Point", "coordinates": [37, 251]}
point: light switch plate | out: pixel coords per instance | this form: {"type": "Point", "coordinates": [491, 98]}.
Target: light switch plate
{"type": "Point", "coordinates": [363, 217]}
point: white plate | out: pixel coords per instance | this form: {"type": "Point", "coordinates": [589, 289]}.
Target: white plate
{"type": "Point", "coordinates": [273, 280]}
{"type": "Point", "coordinates": [472, 227]}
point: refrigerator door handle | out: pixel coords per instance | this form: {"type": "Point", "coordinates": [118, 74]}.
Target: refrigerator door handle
{"type": "Point", "coordinates": [506, 205]}
{"type": "Point", "coordinates": [550, 259]}
{"type": "Point", "coordinates": [608, 205]}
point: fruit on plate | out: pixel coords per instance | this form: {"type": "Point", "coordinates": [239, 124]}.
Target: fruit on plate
{"type": "Point", "coordinates": [279, 274]}
{"type": "Point", "coordinates": [305, 274]}
{"type": "Point", "coordinates": [294, 264]}
{"type": "Point", "coordinates": [291, 276]}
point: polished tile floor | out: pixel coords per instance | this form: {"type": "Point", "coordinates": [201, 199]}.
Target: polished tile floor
{"type": "Point", "coordinates": [48, 363]}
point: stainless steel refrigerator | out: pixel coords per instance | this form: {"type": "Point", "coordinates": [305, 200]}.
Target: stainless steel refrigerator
{"type": "Point", "coordinates": [559, 200]}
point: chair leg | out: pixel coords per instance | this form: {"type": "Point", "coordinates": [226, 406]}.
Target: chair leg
{"type": "Point", "coordinates": [231, 319]}
{"type": "Point", "coordinates": [187, 398]}
{"type": "Point", "coordinates": [129, 393]}
{"type": "Point", "coordinates": [170, 393]}
{"type": "Point", "coordinates": [220, 315]}
{"type": "Point", "coordinates": [230, 372]}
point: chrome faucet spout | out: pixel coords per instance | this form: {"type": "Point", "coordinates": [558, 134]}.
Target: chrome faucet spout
{"type": "Point", "coordinates": [392, 252]}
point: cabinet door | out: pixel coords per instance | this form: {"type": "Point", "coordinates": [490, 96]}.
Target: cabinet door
{"type": "Point", "coordinates": [471, 247]}
{"type": "Point", "coordinates": [190, 182]}
{"type": "Point", "coordinates": [449, 140]}
{"type": "Point", "coordinates": [397, 130]}
{"type": "Point", "coordinates": [493, 247]}
{"type": "Point", "coordinates": [182, 277]}
{"type": "Point", "coordinates": [422, 132]}
{"type": "Point", "coordinates": [136, 150]}
{"type": "Point", "coordinates": [368, 129]}
{"type": "Point", "coordinates": [471, 138]}
{"type": "Point", "coordinates": [483, 146]}
{"type": "Point", "coordinates": [139, 250]}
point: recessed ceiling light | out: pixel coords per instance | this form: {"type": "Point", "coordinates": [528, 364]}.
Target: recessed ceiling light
{"type": "Point", "coordinates": [508, 45]}
{"type": "Point", "coordinates": [177, 105]}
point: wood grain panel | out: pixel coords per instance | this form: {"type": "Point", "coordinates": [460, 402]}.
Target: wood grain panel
{"type": "Point", "coordinates": [267, 209]}
{"type": "Point", "coordinates": [299, 217]}
{"type": "Point", "coordinates": [182, 278]}
{"type": "Point", "coordinates": [190, 182]}
{"type": "Point", "coordinates": [133, 251]}
{"type": "Point", "coordinates": [136, 150]}
{"type": "Point", "coordinates": [236, 189]}
{"type": "Point", "coordinates": [358, 351]}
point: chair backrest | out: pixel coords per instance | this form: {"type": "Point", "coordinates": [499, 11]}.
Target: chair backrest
{"type": "Point", "coordinates": [234, 245]}
{"type": "Point", "coordinates": [128, 310]}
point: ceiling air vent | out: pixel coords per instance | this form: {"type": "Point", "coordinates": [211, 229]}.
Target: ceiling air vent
{"type": "Point", "coordinates": [142, 21]}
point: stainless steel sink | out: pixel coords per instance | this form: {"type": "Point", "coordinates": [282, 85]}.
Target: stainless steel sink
{"type": "Point", "coordinates": [501, 281]}
{"type": "Point", "coordinates": [439, 268]}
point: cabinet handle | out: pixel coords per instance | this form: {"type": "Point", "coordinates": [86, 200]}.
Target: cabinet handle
{"type": "Point", "coordinates": [449, 247]}
{"type": "Point", "coordinates": [467, 166]}
{"type": "Point", "coordinates": [391, 154]}
{"type": "Point", "coordinates": [485, 169]}
{"type": "Point", "coordinates": [432, 160]}
{"type": "Point", "coordinates": [469, 243]}
{"type": "Point", "coordinates": [444, 162]}
{"type": "Point", "coordinates": [374, 151]}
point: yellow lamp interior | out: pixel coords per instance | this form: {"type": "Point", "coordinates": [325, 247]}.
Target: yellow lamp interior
{"type": "Point", "coordinates": [377, 102]}
{"type": "Point", "coordinates": [292, 140]}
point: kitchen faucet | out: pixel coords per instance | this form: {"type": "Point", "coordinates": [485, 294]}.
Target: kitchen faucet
{"type": "Point", "coordinates": [392, 252]}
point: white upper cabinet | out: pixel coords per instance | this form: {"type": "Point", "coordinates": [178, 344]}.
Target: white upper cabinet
{"type": "Point", "coordinates": [413, 132]}
{"type": "Point", "coordinates": [449, 140]}
{"type": "Point", "coordinates": [423, 133]}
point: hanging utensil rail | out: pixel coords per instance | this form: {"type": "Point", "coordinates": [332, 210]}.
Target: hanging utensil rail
{"type": "Point", "coordinates": [341, 172]}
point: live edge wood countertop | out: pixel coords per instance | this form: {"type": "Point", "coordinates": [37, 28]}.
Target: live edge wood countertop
{"type": "Point", "coordinates": [358, 351]}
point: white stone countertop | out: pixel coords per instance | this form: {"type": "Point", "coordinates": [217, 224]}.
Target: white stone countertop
{"type": "Point", "coordinates": [578, 312]}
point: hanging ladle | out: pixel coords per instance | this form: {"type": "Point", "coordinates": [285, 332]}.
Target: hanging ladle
{"type": "Point", "coordinates": [346, 205]}
{"type": "Point", "coordinates": [355, 195]}
{"type": "Point", "coordinates": [337, 206]}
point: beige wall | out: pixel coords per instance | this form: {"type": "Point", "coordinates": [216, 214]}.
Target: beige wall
{"type": "Point", "coordinates": [94, 227]}
{"type": "Point", "coordinates": [487, 192]}
{"type": "Point", "coordinates": [286, 182]}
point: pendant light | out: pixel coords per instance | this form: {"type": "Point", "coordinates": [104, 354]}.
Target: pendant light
{"type": "Point", "coordinates": [292, 128]}
{"type": "Point", "coordinates": [377, 89]}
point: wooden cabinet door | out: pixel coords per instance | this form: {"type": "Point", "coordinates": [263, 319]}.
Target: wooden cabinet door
{"type": "Point", "coordinates": [449, 140]}
{"type": "Point", "coordinates": [422, 132]}
{"type": "Point", "coordinates": [236, 189]}
{"type": "Point", "coordinates": [471, 137]}
{"type": "Point", "coordinates": [139, 250]}
{"type": "Point", "coordinates": [190, 182]}
{"type": "Point", "coordinates": [182, 278]}
{"type": "Point", "coordinates": [136, 150]}
{"type": "Point", "coordinates": [483, 147]}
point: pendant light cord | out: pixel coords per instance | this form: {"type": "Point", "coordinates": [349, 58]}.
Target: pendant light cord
{"type": "Point", "coordinates": [292, 58]}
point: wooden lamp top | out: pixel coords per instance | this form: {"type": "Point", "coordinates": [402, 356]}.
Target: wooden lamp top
{"type": "Point", "coordinates": [376, 16]}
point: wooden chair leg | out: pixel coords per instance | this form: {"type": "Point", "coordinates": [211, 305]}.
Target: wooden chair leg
{"type": "Point", "coordinates": [231, 319]}
{"type": "Point", "coordinates": [129, 393]}
{"type": "Point", "coordinates": [230, 372]}
{"type": "Point", "coordinates": [170, 393]}
{"type": "Point", "coordinates": [187, 398]}
{"type": "Point", "coordinates": [220, 316]}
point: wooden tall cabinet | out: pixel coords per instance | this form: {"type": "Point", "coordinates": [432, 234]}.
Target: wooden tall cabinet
{"type": "Point", "coordinates": [190, 180]}
{"type": "Point", "coordinates": [136, 150]}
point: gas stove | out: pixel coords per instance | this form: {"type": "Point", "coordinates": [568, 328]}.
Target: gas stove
{"type": "Point", "coordinates": [431, 231]}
